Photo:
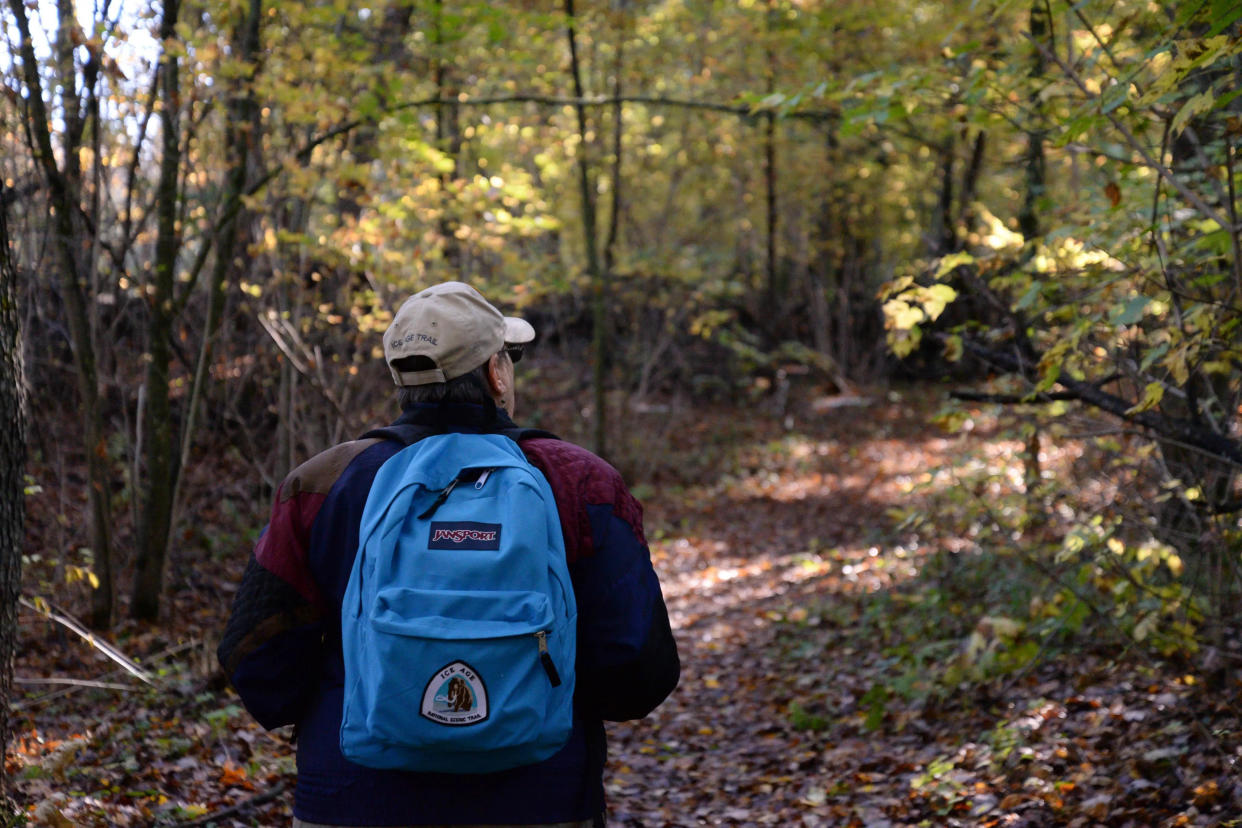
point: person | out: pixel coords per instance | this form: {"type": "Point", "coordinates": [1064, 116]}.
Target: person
{"type": "Point", "coordinates": [451, 353]}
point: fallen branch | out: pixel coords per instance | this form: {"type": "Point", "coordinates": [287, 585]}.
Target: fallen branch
{"type": "Point", "coordinates": [89, 637]}
{"type": "Point", "coordinates": [237, 808]}
{"type": "Point", "coordinates": [66, 690]}
{"type": "Point", "coordinates": [100, 685]}
{"type": "Point", "coordinates": [1013, 399]}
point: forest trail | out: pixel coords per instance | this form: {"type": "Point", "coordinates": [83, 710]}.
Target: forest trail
{"type": "Point", "coordinates": [799, 599]}
{"type": "Point", "coordinates": [796, 600]}
{"type": "Point", "coordinates": [743, 740]}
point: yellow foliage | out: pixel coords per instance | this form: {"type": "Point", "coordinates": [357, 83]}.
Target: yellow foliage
{"type": "Point", "coordinates": [935, 299]}
{"type": "Point", "coordinates": [999, 237]}
{"type": "Point", "coordinates": [1152, 395]}
{"type": "Point", "coordinates": [901, 315]}
{"type": "Point", "coordinates": [73, 574]}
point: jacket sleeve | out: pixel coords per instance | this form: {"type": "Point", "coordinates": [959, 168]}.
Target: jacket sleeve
{"type": "Point", "coordinates": [273, 638]}
{"type": "Point", "coordinates": [627, 658]}
{"type": "Point", "coordinates": [284, 617]}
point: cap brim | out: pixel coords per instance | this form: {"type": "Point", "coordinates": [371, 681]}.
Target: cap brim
{"type": "Point", "coordinates": [518, 331]}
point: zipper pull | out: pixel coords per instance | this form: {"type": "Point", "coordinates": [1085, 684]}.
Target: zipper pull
{"type": "Point", "coordinates": [483, 478]}
{"type": "Point", "coordinates": [439, 500]}
{"type": "Point", "coordinates": [545, 658]}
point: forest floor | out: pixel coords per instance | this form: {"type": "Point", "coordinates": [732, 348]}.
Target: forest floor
{"type": "Point", "coordinates": [815, 621]}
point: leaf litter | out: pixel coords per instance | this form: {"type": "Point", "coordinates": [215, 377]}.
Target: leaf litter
{"type": "Point", "coordinates": [790, 587]}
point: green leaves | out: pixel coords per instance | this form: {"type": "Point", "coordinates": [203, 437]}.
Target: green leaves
{"type": "Point", "coordinates": [1129, 312]}
{"type": "Point", "coordinates": [1194, 106]}
{"type": "Point", "coordinates": [1113, 97]}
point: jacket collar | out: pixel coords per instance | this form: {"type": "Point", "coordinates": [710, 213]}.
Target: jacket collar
{"type": "Point", "coordinates": [458, 417]}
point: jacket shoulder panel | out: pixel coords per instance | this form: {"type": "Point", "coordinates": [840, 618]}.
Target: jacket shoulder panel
{"type": "Point", "coordinates": [580, 479]}
{"type": "Point", "coordinates": [318, 474]}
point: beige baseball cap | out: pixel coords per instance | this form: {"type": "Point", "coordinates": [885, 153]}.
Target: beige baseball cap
{"type": "Point", "coordinates": [452, 325]}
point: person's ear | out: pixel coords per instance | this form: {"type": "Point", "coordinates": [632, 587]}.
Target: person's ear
{"type": "Point", "coordinates": [496, 377]}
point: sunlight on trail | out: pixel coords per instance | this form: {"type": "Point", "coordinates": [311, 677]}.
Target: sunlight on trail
{"type": "Point", "coordinates": [756, 550]}
{"type": "Point", "coordinates": [752, 567]}
{"type": "Point", "coordinates": [797, 536]}
{"type": "Point", "coordinates": [699, 586]}
{"type": "Point", "coordinates": [795, 707]}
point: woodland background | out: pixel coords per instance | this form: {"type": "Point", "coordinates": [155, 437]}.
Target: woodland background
{"type": "Point", "coordinates": [1012, 226]}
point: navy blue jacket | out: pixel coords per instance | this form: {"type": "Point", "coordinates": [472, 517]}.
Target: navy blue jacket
{"type": "Point", "coordinates": [282, 650]}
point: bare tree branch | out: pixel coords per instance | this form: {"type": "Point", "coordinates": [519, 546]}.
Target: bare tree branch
{"type": "Point", "coordinates": [1169, 429]}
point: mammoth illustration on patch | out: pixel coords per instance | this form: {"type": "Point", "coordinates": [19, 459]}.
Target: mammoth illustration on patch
{"type": "Point", "coordinates": [459, 696]}
{"type": "Point", "coordinates": [455, 696]}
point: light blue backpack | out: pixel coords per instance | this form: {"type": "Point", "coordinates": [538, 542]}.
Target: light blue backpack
{"type": "Point", "coordinates": [459, 623]}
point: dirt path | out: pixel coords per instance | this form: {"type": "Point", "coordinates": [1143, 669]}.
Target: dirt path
{"type": "Point", "coordinates": [758, 553]}
{"type": "Point", "coordinates": [797, 704]}
{"type": "Point", "coordinates": [789, 584]}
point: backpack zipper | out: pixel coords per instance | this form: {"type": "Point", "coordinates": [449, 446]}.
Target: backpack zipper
{"type": "Point", "coordinates": [444, 493]}
{"type": "Point", "coordinates": [545, 658]}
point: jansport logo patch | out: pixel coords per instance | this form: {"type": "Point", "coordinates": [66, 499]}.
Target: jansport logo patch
{"type": "Point", "coordinates": [455, 696]}
{"type": "Point", "coordinates": [464, 535]}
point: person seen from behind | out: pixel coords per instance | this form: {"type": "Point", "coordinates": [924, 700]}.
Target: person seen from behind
{"type": "Point", "coordinates": [452, 355]}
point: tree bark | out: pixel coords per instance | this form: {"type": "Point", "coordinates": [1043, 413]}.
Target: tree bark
{"type": "Point", "coordinates": [12, 470]}
{"type": "Point", "coordinates": [156, 517]}
{"type": "Point", "coordinates": [1034, 162]}
{"type": "Point", "coordinates": [774, 288]}
{"type": "Point", "coordinates": [618, 146]}
{"type": "Point", "coordinates": [599, 296]}
{"type": "Point", "coordinates": [822, 290]}
{"type": "Point", "coordinates": [70, 240]}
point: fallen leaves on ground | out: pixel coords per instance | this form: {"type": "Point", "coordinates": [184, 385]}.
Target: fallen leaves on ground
{"type": "Point", "coordinates": [786, 713]}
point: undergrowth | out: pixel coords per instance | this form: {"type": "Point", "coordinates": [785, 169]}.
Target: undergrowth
{"type": "Point", "coordinates": [1030, 552]}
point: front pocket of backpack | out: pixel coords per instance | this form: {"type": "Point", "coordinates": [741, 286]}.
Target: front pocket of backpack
{"type": "Point", "coordinates": [459, 669]}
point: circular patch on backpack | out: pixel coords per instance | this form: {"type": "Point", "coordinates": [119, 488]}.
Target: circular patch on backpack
{"type": "Point", "coordinates": [455, 696]}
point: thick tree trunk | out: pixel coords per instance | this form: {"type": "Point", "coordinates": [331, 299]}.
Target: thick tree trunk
{"type": "Point", "coordinates": [1036, 130]}
{"type": "Point", "coordinates": [12, 469]}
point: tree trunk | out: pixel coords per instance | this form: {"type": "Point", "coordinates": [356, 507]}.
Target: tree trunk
{"type": "Point", "coordinates": [70, 239]}
{"type": "Point", "coordinates": [1035, 167]}
{"type": "Point", "coordinates": [826, 237]}
{"type": "Point", "coordinates": [448, 141]}
{"type": "Point", "coordinates": [941, 237]}
{"type": "Point", "coordinates": [970, 186]}
{"type": "Point", "coordinates": [12, 469]}
{"type": "Point", "coordinates": [153, 532]}
{"type": "Point", "coordinates": [618, 132]}
{"type": "Point", "coordinates": [599, 297]}
{"type": "Point", "coordinates": [774, 288]}
{"type": "Point", "coordinates": [242, 140]}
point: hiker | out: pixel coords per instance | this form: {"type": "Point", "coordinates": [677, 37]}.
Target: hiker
{"type": "Point", "coordinates": [451, 354]}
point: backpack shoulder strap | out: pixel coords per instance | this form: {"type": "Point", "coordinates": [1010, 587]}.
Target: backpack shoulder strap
{"type": "Point", "coordinates": [517, 435]}
{"type": "Point", "coordinates": [404, 433]}
{"type": "Point", "coordinates": [408, 434]}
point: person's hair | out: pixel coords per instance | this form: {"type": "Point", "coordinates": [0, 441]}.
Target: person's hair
{"type": "Point", "coordinates": [468, 389]}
